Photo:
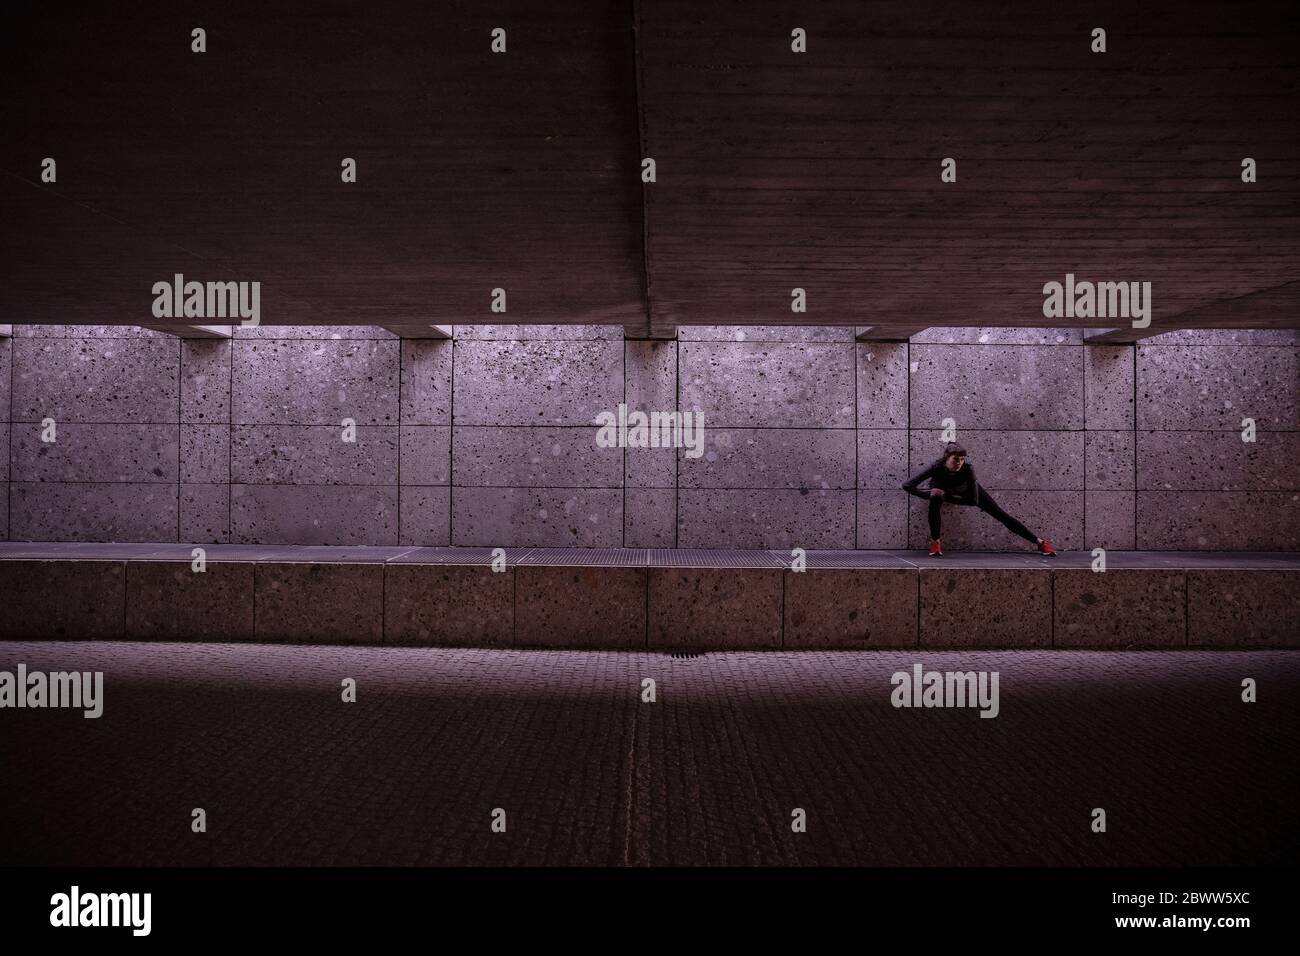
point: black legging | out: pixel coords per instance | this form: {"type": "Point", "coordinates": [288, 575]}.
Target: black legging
{"type": "Point", "coordinates": [986, 505]}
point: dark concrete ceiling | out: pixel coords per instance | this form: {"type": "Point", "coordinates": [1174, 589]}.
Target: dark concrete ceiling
{"type": "Point", "coordinates": [775, 170]}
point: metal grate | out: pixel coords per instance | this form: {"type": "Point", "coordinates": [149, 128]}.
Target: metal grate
{"type": "Point", "coordinates": [845, 559]}
{"type": "Point", "coordinates": [586, 557]}
{"type": "Point", "coordinates": [473, 556]}
{"type": "Point", "coordinates": [709, 558]}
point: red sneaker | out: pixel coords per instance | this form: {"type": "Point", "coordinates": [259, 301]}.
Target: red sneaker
{"type": "Point", "coordinates": [1045, 547]}
{"type": "Point", "coordinates": [936, 549]}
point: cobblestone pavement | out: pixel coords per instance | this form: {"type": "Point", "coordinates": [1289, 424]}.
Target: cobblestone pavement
{"type": "Point", "coordinates": [709, 773]}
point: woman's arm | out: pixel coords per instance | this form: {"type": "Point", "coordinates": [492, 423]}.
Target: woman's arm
{"type": "Point", "coordinates": [910, 485]}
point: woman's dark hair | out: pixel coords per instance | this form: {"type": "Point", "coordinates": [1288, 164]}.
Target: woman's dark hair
{"type": "Point", "coordinates": [952, 448]}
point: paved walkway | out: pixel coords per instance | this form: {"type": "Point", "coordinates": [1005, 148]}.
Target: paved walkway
{"type": "Point", "coordinates": [639, 557]}
{"type": "Point", "coordinates": [708, 774]}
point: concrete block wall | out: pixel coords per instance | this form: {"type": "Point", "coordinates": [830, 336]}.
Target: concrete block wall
{"type": "Point", "coordinates": [405, 602]}
{"type": "Point", "coordinates": [487, 439]}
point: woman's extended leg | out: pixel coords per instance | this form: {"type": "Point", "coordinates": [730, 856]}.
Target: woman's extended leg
{"type": "Point", "coordinates": [990, 507]}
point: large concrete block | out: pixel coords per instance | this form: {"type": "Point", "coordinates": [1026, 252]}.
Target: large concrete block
{"type": "Point", "coordinates": [1019, 387]}
{"type": "Point", "coordinates": [279, 382]}
{"type": "Point", "coordinates": [313, 455]}
{"type": "Point", "coordinates": [537, 382]}
{"type": "Point", "coordinates": [1218, 521]}
{"type": "Point", "coordinates": [537, 517]}
{"type": "Point", "coordinates": [96, 380]}
{"type": "Point", "coordinates": [62, 600]}
{"type": "Point", "coordinates": [313, 514]}
{"type": "Point", "coordinates": [1108, 383]}
{"type": "Point", "coordinates": [169, 601]}
{"type": "Point", "coordinates": [729, 607]}
{"type": "Point", "coordinates": [739, 384]}
{"type": "Point", "coordinates": [135, 453]}
{"type": "Point", "coordinates": [1234, 608]}
{"type": "Point", "coordinates": [426, 382]}
{"type": "Point", "coordinates": [319, 603]}
{"type": "Point", "coordinates": [542, 333]}
{"type": "Point", "coordinates": [1192, 387]}
{"type": "Point", "coordinates": [851, 608]}
{"type": "Point", "coordinates": [882, 458]}
{"type": "Point", "coordinates": [205, 453]}
{"type": "Point", "coordinates": [882, 519]}
{"type": "Point", "coordinates": [51, 331]}
{"type": "Point", "coordinates": [1013, 460]}
{"type": "Point", "coordinates": [312, 332]}
{"type": "Point", "coordinates": [1054, 515]}
{"type": "Point", "coordinates": [938, 335]}
{"type": "Point", "coordinates": [652, 467]}
{"type": "Point", "coordinates": [1109, 520]}
{"type": "Point", "coordinates": [1120, 608]}
{"type": "Point", "coordinates": [205, 381]}
{"type": "Point", "coordinates": [4, 454]}
{"type": "Point", "coordinates": [985, 607]}
{"type": "Point", "coordinates": [1110, 458]}
{"type": "Point", "coordinates": [651, 374]}
{"type": "Point", "coordinates": [425, 515]}
{"type": "Point", "coordinates": [804, 458]}
{"type": "Point", "coordinates": [534, 457]}
{"type": "Point", "coordinates": [765, 518]}
{"type": "Point", "coordinates": [425, 457]}
{"type": "Point", "coordinates": [882, 375]}
{"type": "Point", "coordinates": [88, 511]}
{"type": "Point", "coordinates": [1215, 337]}
{"type": "Point", "coordinates": [651, 386]}
{"type": "Point", "coordinates": [580, 607]}
{"type": "Point", "coordinates": [458, 606]}
{"type": "Point", "coordinates": [6, 378]}
{"type": "Point", "coordinates": [650, 518]}
{"type": "Point", "coordinates": [1217, 461]}
{"type": "Point", "coordinates": [205, 514]}
{"type": "Point", "coordinates": [765, 333]}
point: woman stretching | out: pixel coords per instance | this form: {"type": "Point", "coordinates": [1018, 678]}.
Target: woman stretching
{"type": "Point", "coordinates": [952, 480]}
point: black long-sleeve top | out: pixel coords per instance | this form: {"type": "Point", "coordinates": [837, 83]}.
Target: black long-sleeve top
{"type": "Point", "coordinates": [959, 485]}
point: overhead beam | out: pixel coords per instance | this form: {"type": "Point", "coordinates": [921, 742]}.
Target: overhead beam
{"type": "Point", "coordinates": [192, 331]}
{"type": "Point", "coordinates": [653, 328]}
{"type": "Point", "coordinates": [889, 333]}
{"type": "Point", "coordinates": [418, 330]}
{"type": "Point", "coordinates": [646, 330]}
{"type": "Point", "coordinates": [1129, 335]}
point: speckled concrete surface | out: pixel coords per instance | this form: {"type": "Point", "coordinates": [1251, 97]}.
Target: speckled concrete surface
{"type": "Point", "coordinates": [331, 603]}
{"type": "Point", "coordinates": [715, 607]}
{"type": "Point", "coordinates": [448, 605]}
{"type": "Point", "coordinates": [709, 773]}
{"type": "Point", "coordinates": [985, 607]}
{"type": "Point", "coordinates": [850, 608]}
{"type": "Point", "coordinates": [278, 382]}
{"type": "Point", "coordinates": [780, 385]}
{"type": "Point", "coordinates": [89, 380]}
{"type": "Point", "coordinates": [1121, 608]}
{"type": "Point", "coordinates": [453, 597]}
{"type": "Point", "coordinates": [765, 518]}
{"type": "Point", "coordinates": [1115, 446]}
{"type": "Point", "coordinates": [167, 601]}
{"type": "Point", "coordinates": [537, 517]}
{"type": "Point", "coordinates": [739, 458]}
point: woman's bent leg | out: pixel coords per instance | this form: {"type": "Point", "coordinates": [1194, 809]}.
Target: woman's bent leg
{"type": "Point", "coordinates": [935, 524]}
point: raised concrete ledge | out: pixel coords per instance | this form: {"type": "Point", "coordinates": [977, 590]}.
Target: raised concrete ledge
{"type": "Point", "coordinates": [628, 598]}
